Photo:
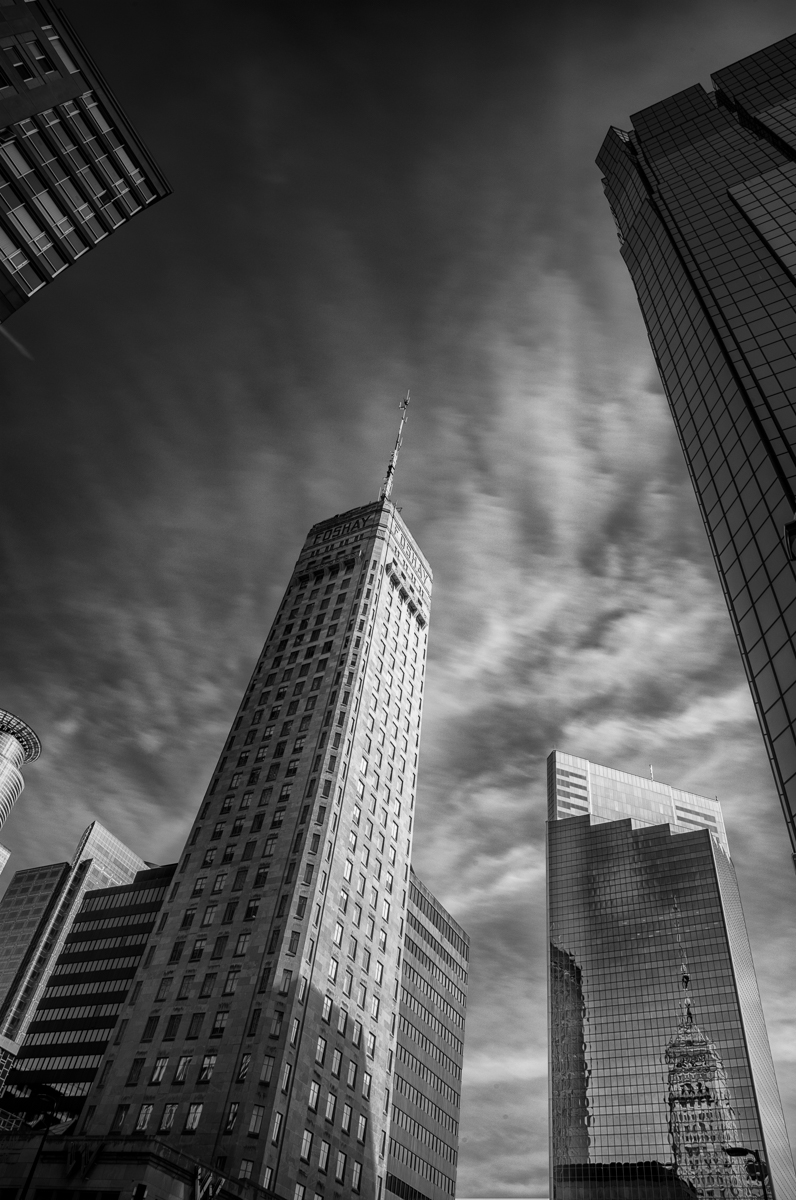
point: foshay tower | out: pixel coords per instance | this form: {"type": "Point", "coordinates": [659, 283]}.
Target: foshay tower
{"type": "Point", "coordinates": [263, 1038]}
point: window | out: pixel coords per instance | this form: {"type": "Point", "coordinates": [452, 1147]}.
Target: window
{"type": "Point", "coordinates": [231, 982]}
{"type": "Point", "coordinates": [276, 1024]}
{"type": "Point", "coordinates": [333, 965]}
{"type": "Point", "coordinates": [320, 1051]}
{"type": "Point", "coordinates": [312, 1103]}
{"type": "Point", "coordinates": [198, 948]}
{"type": "Point", "coordinates": [357, 917]}
{"type": "Point", "coordinates": [185, 987]}
{"type": "Point", "coordinates": [254, 1021]}
{"type": "Point", "coordinates": [182, 1068]}
{"type": "Point", "coordinates": [351, 1079]}
{"type": "Point", "coordinates": [193, 1118]}
{"type": "Point", "coordinates": [261, 877]}
{"type": "Point", "coordinates": [345, 1123]}
{"type": "Point", "coordinates": [347, 983]}
{"type": "Point", "coordinates": [256, 1120]}
{"type": "Point", "coordinates": [366, 1082]}
{"type": "Point", "coordinates": [301, 907]}
{"type": "Point", "coordinates": [385, 910]}
{"type": "Point", "coordinates": [240, 879]}
{"type": "Point", "coordinates": [207, 1067]}
{"type": "Point", "coordinates": [277, 1128]}
{"type": "Point", "coordinates": [159, 1069]}
{"type": "Point", "coordinates": [232, 1116]}
{"type": "Point", "coordinates": [219, 1024]}
{"type": "Point", "coordinates": [167, 1119]}
{"type": "Point", "coordinates": [246, 1168]}
{"type": "Point", "coordinates": [136, 1067]}
{"type": "Point", "coordinates": [336, 1060]}
{"type": "Point", "coordinates": [382, 940]}
{"type": "Point", "coordinates": [209, 857]}
{"type": "Point", "coordinates": [362, 993]}
{"type": "Point", "coordinates": [326, 1015]}
{"type": "Point", "coordinates": [338, 934]}
{"type": "Point", "coordinates": [270, 842]}
{"type": "Point", "coordinates": [284, 987]}
{"type": "Point", "coordinates": [356, 1036]}
{"type": "Point", "coordinates": [294, 1031]}
{"type": "Point", "coordinates": [370, 1045]}
{"type": "Point", "coordinates": [176, 952]}
{"type": "Point", "coordinates": [374, 1007]}
{"type": "Point", "coordinates": [331, 1105]}
{"type": "Point", "coordinates": [339, 1171]}
{"type": "Point", "coordinates": [294, 941]}
{"type": "Point", "coordinates": [286, 1070]}
{"type": "Point", "coordinates": [119, 1117]}
{"type": "Point", "coordinates": [267, 1069]}
{"type": "Point", "coordinates": [243, 1069]}
{"type": "Point", "coordinates": [207, 985]}
{"type": "Point", "coordinates": [323, 1158]}
{"type": "Point", "coordinates": [220, 946]}
{"type": "Point", "coordinates": [306, 1146]}
{"type": "Point", "coordinates": [219, 881]}
{"type": "Point", "coordinates": [149, 1028]}
{"type": "Point", "coordinates": [229, 912]}
{"type": "Point", "coordinates": [194, 1025]}
{"type": "Point", "coordinates": [165, 984]}
{"type": "Point", "coordinates": [356, 1176]}
{"type": "Point", "coordinates": [379, 972]}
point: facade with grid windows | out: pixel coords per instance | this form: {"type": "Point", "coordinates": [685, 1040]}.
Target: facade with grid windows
{"type": "Point", "coordinates": [72, 168]}
{"type": "Point", "coordinates": [703, 191]}
{"type": "Point", "coordinates": [659, 1055]}
{"type": "Point", "coordinates": [83, 1006]}
{"type": "Point", "coordinates": [37, 914]}
{"type": "Point", "coordinates": [299, 1015]}
{"type": "Point", "coordinates": [426, 1080]}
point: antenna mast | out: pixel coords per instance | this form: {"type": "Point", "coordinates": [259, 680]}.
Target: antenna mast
{"type": "Point", "coordinates": [386, 487]}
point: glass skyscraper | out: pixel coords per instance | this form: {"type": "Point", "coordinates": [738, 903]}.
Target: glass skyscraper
{"type": "Point", "coordinates": [703, 192]}
{"type": "Point", "coordinates": [659, 1055]}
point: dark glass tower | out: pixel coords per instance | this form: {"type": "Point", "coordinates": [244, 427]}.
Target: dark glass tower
{"type": "Point", "coordinates": [659, 1056]}
{"type": "Point", "coordinates": [72, 168]}
{"type": "Point", "coordinates": [703, 191]}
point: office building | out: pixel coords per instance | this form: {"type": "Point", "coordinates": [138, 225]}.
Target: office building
{"type": "Point", "coordinates": [87, 992]}
{"type": "Point", "coordinates": [703, 192]}
{"type": "Point", "coordinates": [72, 168]}
{"type": "Point", "coordinates": [37, 912]}
{"type": "Point", "coordinates": [18, 745]}
{"type": "Point", "coordinates": [285, 1032]}
{"type": "Point", "coordinates": [659, 1056]}
{"type": "Point", "coordinates": [426, 1082]}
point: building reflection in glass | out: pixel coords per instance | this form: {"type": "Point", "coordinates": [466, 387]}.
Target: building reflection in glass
{"type": "Point", "coordinates": [658, 1050]}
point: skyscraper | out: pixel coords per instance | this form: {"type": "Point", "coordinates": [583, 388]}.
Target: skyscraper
{"type": "Point", "coordinates": [659, 1056]}
{"type": "Point", "coordinates": [299, 1023]}
{"type": "Point", "coordinates": [72, 168]}
{"type": "Point", "coordinates": [36, 916]}
{"type": "Point", "coordinates": [86, 990]}
{"type": "Point", "coordinates": [703, 192]}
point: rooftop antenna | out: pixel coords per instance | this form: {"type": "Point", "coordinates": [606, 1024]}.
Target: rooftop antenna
{"type": "Point", "coordinates": [386, 487]}
{"type": "Point", "coordinates": [652, 777]}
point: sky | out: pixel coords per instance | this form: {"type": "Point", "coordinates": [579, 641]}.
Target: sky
{"type": "Point", "coordinates": [370, 198]}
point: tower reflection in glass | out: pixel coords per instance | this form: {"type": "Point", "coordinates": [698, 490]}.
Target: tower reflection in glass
{"type": "Point", "coordinates": [659, 1055]}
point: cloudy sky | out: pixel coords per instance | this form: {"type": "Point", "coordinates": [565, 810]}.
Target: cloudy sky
{"type": "Point", "coordinates": [368, 199]}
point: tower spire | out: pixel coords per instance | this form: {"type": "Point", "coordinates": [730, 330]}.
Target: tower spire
{"type": "Point", "coordinates": [386, 487]}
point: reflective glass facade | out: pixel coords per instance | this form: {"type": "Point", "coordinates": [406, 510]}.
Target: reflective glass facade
{"type": "Point", "coordinates": [659, 1055]}
{"type": "Point", "coordinates": [703, 191]}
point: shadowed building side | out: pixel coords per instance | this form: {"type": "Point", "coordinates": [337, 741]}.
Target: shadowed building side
{"type": "Point", "coordinates": [703, 192]}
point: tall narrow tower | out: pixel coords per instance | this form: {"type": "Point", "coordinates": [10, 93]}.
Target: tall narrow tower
{"type": "Point", "coordinates": [262, 1040]}
{"type": "Point", "coordinates": [703, 192]}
